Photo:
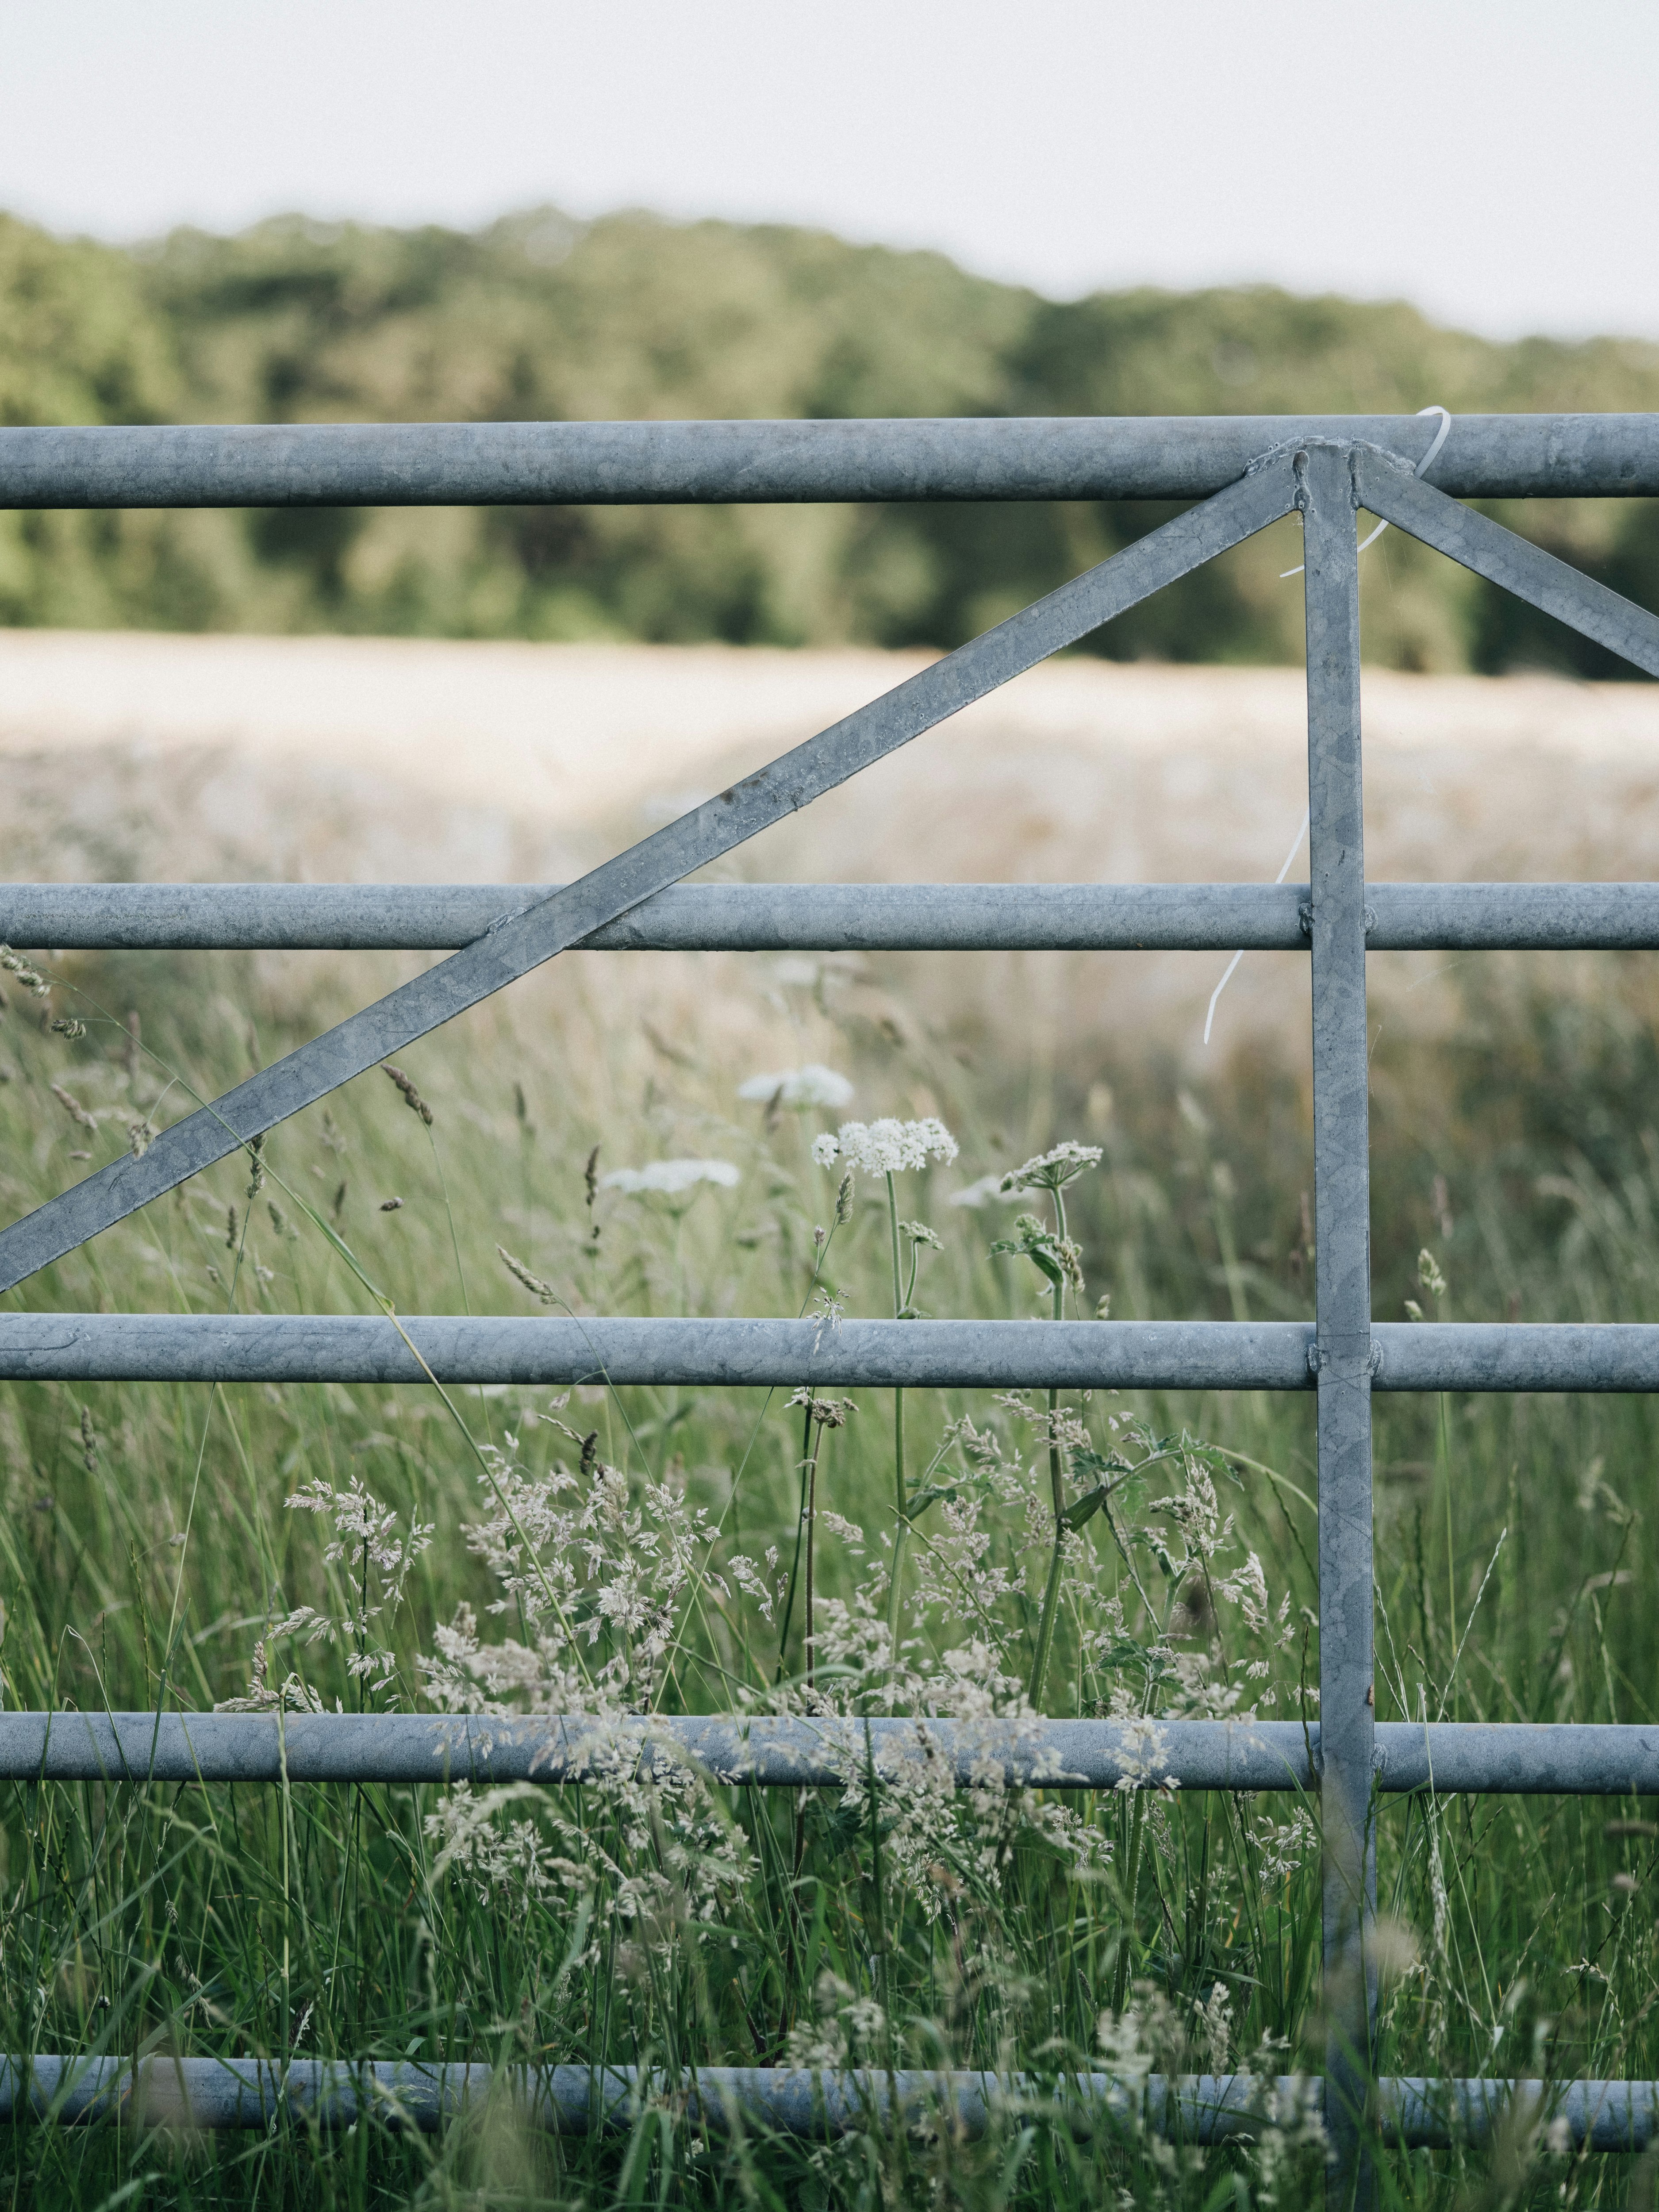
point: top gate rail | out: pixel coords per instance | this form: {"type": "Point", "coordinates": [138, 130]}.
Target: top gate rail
{"type": "Point", "coordinates": [1245, 473]}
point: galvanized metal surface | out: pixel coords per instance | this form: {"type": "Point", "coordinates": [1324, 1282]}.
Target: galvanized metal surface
{"type": "Point", "coordinates": [686, 918]}
{"type": "Point", "coordinates": [402, 1748]}
{"type": "Point", "coordinates": [1511, 917]}
{"type": "Point", "coordinates": [1342, 1282]}
{"type": "Point", "coordinates": [1447, 1758]}
{"type": "Point", "coordinates": [362, 1348]}
{"type": "Point", "coordinates": [525, 940]}
{"type": "Point", "coordinates": [737, 1354]}
{"type": "Point", "coordinates": [216, 2094]}
{"type": "Point", "coordinates": [659, 464]}
{"type": "Point", "coordinates": [831, 917]}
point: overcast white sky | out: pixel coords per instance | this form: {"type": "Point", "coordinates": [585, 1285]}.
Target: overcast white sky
{"type": "Point", "coordinates": [1495, 160]}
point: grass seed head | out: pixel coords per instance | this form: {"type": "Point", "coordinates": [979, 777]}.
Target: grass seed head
{"type": "Point", "coordinates": [411, 1096]}
{"type": "Point", "coordinates": [72, 1106]}
{"type": "Point", "coordinates": [533, 1284]}
{"type": "Point", "coordinates": [31, 978]}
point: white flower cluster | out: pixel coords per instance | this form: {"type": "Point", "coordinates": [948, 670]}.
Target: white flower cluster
{"type": "Point", "coordinates": [1049, 1170]}
{"type": "Point", "coordinates": [671, 1177]}
{"type": "Point", "coordinates": [811, 1085]}
{"type": "Point", "coordinates": [887, 1146]}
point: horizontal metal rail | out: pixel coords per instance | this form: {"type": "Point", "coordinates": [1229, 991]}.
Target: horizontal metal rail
{"type": "Point", "coordinates": [1446, 1757]}
{"type": "Point", "coordinates": [668, 464]}
{"type": "Point", "coordinates": [961, 1355]}
{"type": "Point", "coordinates": [227, 2093]}
{"type": "Point", "coordinates": [830, 917]}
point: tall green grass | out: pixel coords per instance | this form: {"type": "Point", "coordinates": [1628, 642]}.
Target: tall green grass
{"type": "Point", "coordinates": [146, 1547]}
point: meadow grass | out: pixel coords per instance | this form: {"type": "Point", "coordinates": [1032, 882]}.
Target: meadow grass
{"type": "Point", "coordinates": [643, 1548]}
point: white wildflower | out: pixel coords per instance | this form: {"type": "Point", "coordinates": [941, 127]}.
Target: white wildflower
{"type": "Point", "coordinates": [887, 1146]}
{"type": "Point", "coordinates": [671, 1177]}
{"type": "Point", "coordinates": [811, 1085]}
{"type": "Point", "coordinates": [1052, 1171]}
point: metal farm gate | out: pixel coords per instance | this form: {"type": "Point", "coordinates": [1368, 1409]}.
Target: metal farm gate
{"type": "Point", "coordinates": [1242, 474]}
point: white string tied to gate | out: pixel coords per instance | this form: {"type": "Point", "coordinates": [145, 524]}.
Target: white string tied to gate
{"type": "Point", "coordinates": [1239, 955]}
{"type": "Point", "coordinates": [1439, 440]}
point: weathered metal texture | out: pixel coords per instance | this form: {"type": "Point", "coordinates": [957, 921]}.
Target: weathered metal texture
{"type": "Point", "coordinates": [665, 464]}
{"type": "Point", "coordinates": [399, 1748]}
{"type": "Point", "coordinates": [1477, 543]}
{"type": "Point", "coordinates": [525, 940]}
{"type": "Point", "coordinates": [881, 1354]}
{"type": "Point", "coordinates": [221, 2094]}
{"type": "Point", "coordinates": [736, 1354]}
{"type": "Point", "coordinates": [1489, 1758]}
{"type": "Point", "coordinates": [831, 917]}
{"type": "Point", "coordinates": [1512, 917]}
{"type": "Point", "coordinates": [1517, 1356]}
{"type": "Point", "coordinates": [1342, 1277]}
{"type": "Point", "coordinates": [687, 918]}
{"type": "Point", "coordinates": [1448, 1757]}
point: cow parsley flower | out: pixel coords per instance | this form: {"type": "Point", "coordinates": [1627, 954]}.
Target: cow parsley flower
{"type": "Point", "coordinates": [887, 1146]}
{"type": "Point", "coordinates": [1052, 1171]}
{"type": "Point", "coordinates": [671, 1177]}
{"type": "Point", "coordinates": [811, 1085]}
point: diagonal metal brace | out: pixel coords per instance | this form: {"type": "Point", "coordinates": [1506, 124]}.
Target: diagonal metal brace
{"type": "Point", "coordinates": [520, 942]}
{"type": "Point", "coordinates": [1478, 543]}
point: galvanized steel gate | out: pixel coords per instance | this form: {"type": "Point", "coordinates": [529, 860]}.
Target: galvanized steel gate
{"type": "Point", "coordinates": [1245, 474]}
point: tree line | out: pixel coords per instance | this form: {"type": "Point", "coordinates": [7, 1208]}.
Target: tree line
{"type": "Point", "coordinates": [538, 317]}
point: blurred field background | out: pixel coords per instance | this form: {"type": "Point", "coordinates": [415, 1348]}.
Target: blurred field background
{"type": "Point", "coordinates": [560, 684]}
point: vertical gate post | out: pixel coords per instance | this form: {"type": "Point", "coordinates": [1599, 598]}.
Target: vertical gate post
{"type": "Point", "coordinates": [1342, 1280]}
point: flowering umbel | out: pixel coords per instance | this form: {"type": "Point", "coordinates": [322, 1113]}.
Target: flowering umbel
{"type": "Point", "coordinates": [886, 1147]}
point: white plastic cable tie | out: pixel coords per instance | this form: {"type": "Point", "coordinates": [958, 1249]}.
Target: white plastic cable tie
{"type": "Point", "coordinates": [1439, 440]}
{"type": "Point", "coordinates": [1289, 857]}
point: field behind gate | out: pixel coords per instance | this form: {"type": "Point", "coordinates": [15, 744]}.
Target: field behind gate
{"type": "Point", "coordinates": [148, 1546]}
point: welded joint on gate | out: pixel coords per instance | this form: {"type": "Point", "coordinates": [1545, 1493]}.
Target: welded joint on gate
{"type": "Point", "coordinates": [1297, 449]}
{"type": "Point", "coordinates": [1305, 919]}
{"type": "Point", "coordinates": [1319, 1359]}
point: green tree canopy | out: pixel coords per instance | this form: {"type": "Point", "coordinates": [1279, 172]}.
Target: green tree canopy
{"type": "Point", "coordinates": [538, 317]}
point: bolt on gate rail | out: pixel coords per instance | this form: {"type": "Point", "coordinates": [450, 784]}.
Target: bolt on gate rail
{"type": "Point", "coordinates": [1242, 474]}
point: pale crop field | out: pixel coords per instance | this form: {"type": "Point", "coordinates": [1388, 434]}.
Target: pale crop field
{"type": "Point", "coordinates": [602, 1140]}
